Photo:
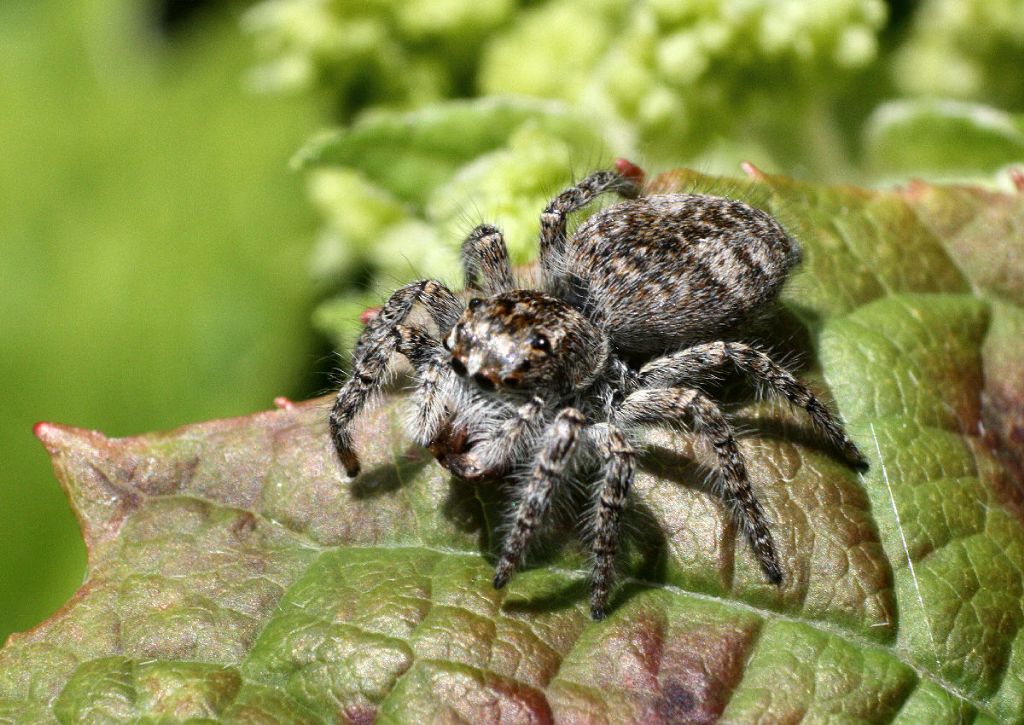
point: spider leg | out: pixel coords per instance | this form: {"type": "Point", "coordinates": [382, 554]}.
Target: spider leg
{"type": "Point", "coordinates": [434, 377]}
{"type": "Point", "coordinates": [485, 255]}
{"type": "Point", "coordinates": [553, 218]}
{"type": "Point", "coordinates": [372, 353]}
{"type": "Point", "coordinates": [619, 463]}
{"type": "Point", "coordinates": [756, 365]}
{"type": "Point", "coordinates": [668, 405]}
{"type": "Point", "coordinates": [552, 461]}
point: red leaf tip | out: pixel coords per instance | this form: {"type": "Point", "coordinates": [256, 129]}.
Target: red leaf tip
{"type": "Point", "coordinates": [751, 170]}
{"type": "Point", "coordinates": [368, 314]}
{"type": "Point", "coordinates": [629, 170]}
{"type": "Point", "coordinates": [1017, 177]}
{"type": "Point", "coordinates": [915, 189]}
{"type": "Point", "coordinates": [56, 437]}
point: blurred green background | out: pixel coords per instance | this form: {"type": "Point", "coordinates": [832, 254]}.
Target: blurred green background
{"type": "Point", "coordinates": [153, 250]}
{"type": "Point", "coordinates": [162, 263]}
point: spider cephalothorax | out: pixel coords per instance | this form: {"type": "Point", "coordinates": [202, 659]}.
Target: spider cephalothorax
{"type": "Point", "coordinates": [633, 309]}
{"type": "Point", "coordinates": [527, 340]}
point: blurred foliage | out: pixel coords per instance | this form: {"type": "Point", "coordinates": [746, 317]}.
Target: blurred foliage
{"type": "Point", "coordinates": [689, 76]}
{"type": "Point", "coordinates": [965, 49]}
{"type": "Point", "coordinates": [153, 258]}
{"type": "Point", "coordinates": [837, 90]}
{"type": "Point", "coordinates": [789, 84]}
{"type": "Point", "coordinates": [397, 53]}
{"type": "Point", "coordinates": [679, 79]}
{"type": "Point", "coordinates": [935, 137]}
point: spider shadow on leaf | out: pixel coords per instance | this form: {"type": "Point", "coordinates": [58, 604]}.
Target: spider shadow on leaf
{"type": "Point", "coordinates": [643, 555]}
{"type": "Point", "coordinates": [787, 431]}
{"type": "Point", "coordinates": [679, 467]}
{"type": "Point", "coordinates": [390, 477]}
{"type": "Point", "coordinates": [786, 333]}
{"type": "Point", "coordinates": [470, 507]}
{"type": "Point", "coordinates": [642, 563]}
{"type": "Point", "coordinates": [485, 507]}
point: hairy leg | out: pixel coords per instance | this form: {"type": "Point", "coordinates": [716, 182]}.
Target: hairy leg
{"type": "Point", "coordinates": [669, 405]}
{"type": "Point", "coordinates": [688, 364]}
{"type": "Point", "coordinates": [553, 460]}
{"type": "Point", "coordinates": [619, 464]}
{"type": "Point", "coordinates": [372, 354]}
{"type": "Point", "coordinates": [553, 218]}
{"type": "Point", "coordinates": [485, 261]}
{"type": "Point", "coordinates": [434, 380]}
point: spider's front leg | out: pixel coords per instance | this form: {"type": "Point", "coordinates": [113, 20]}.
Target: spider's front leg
{"type": "Point", "coordinates": [619, 464]}
{"type": "Point", "coordinates": [433, 381]}
{"type": "Point", "coordinates": [553, 218]}
{"type": "Point", "coordinates": [553, 460]}
{"type": "Point", "coordinates": [372, 354]}
{"type": "Point", "coordinates": [670, 405]}
{"type": "Point", "coordinates": [695, 361]}
{"type": "Point", "coordinates": [485, 261]}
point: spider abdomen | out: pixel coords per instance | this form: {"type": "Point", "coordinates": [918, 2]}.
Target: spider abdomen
{"type": "Point", "coordinates": [669, 270]}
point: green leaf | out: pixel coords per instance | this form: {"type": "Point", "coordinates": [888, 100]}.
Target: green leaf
{"type": "Point", "coordinates": [410, 154]}
{"type": "Point", "coordinates": [941, 137]}
{"type": "Point", "coordinates": [234, 574]}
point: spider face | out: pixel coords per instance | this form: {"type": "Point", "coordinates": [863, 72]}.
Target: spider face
{"type": "Point", "coordinates": [523, 340]}
{"type": "Point", "coordinates": [662, 281]}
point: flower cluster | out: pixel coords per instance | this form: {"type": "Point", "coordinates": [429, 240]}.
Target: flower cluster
{"type": "Point", "coordinates": [394, 52]}
{"type": "Point", "coordinates": [685, 76]}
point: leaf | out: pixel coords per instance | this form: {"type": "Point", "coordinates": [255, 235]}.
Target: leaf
{"type": "Point", "coordinates": [410, 154]}
{"type": "Point", "coordinates": [235, 575]}
{"type": "Point", "coordinates": [941, 137]}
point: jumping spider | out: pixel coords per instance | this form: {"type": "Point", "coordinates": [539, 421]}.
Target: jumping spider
{"type": "Point", "coordinates": [630, 310]}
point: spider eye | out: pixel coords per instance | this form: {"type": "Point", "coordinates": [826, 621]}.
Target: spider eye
{"type": "Point", "coordinates": [483, 381]}
{"type": "Point", "coordinates": [475, 303]}
{"type": "Point", "coordinates": [458, 367]}
{"type": "Point", "coordinates": [540, 342]}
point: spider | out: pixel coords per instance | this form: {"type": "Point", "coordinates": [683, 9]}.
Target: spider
{"type": "Point", "coordinates": [630, 312]}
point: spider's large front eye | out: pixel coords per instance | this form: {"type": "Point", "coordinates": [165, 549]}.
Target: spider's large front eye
{"type": "Point", "coordinates": [458, 367]}
{"type": "Point", "coordinates": [540, 342]}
